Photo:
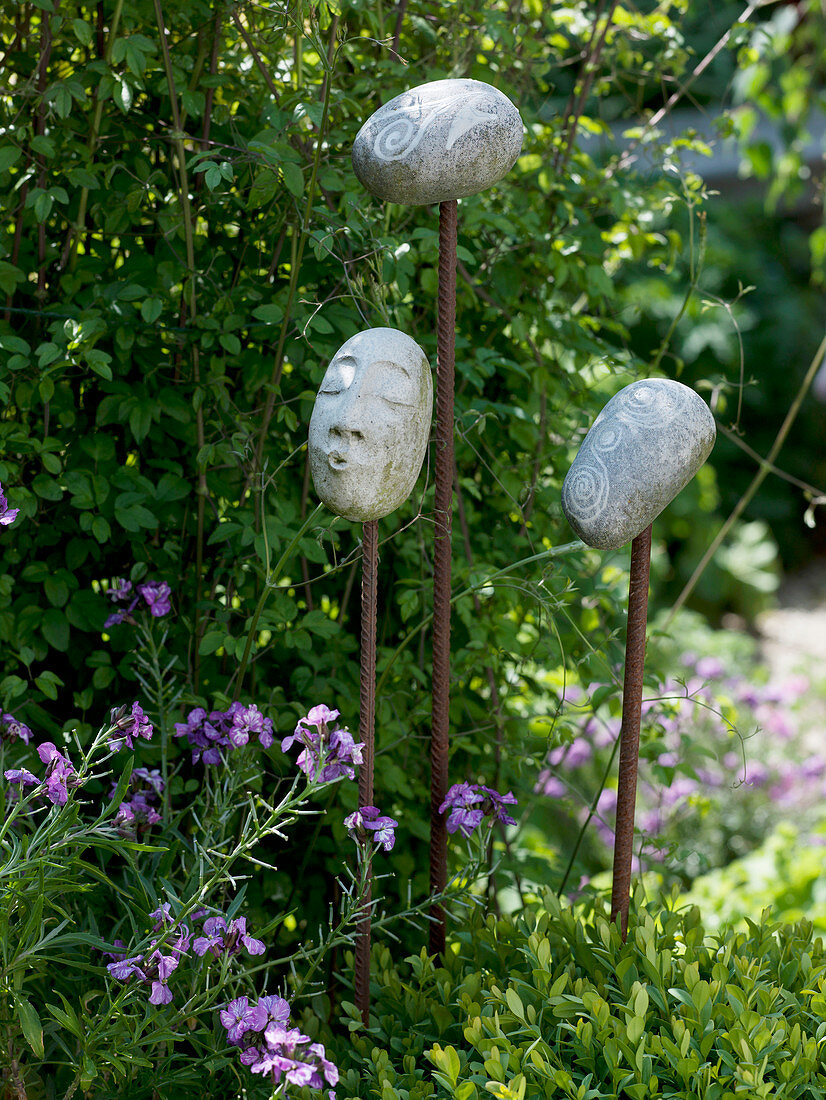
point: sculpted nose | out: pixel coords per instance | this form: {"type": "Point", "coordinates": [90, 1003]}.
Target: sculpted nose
{"type": "Point", "coordinates": [342, 436]}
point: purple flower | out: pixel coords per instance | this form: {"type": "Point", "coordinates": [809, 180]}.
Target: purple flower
{"type": "Point", "coordinates": [22, 776]}
{"type": "Point", "coordinates": [276, 1008]}
{"type": "Point", "coordinates": [239, 1017]}
{"type": "Point", "coordinates": [465, 814]}
{"type": "Point", "coordinates": [549, 784]}
{"type": "Point", "coordinates": [125, 616]}
{"type": "Point", "coordinates": [249, 720]}
{"type": "Point", "coordinates": [123, 969]}
{"type": "Point", "coordinates": [369, 820]}
{"type": "Point", "coordinates": [219, 937]}
{"type": "Point", "coordinates": [327, 754]}
{"type": "Point", "coordinates": [210, 734]}
{"type": "Point", "coordinates": [131, 725]}
{"type": "Point", "coordinates": [60, 773]}
{"type": "Point", "coordinates": [710, 668]}
{"type": "Point", "coordinates": [495, 803]}
{"type": "Point", "coordinates": [7, 515]}
{"type": "Point", "coordinates": [156, 594]}
{"type": "Point", "coordinates": [11, 729]}
{"type": "Point", "coordinates": [119, 590]}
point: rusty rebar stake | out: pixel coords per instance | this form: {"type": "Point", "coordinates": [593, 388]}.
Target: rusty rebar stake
{"type": "Point", "coordinates": [367, 726]}
{"type": "Point", "coordinates": [630, 730]}
{"type": "Point", "coordinates": [443, 509]}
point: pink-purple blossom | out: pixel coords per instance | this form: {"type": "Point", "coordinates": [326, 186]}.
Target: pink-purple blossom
{"type": "Point", "coordinates": [222, 938]}
{"type": "Point", "coordinates": [156, 594]}
{"type": "Point", "coordinates": [7, 515]}
{"type": "Point", "coordinates": [469, 803]}
{"type": "Point", "coordinates": [294, 1057]}
{"type": "Point", "coordinates": [327, 754]}
{"type": "Point", "coordinates": [60, 773]}
{"type": "Point", "coordinates": [368, 824]}
{"type": "Point", "coordinates": [210, 734]}
{"type": "Point", "coordinates": [128, 726]}
{"type": "Point", "coordinates": [12, 729]}
{"type": "Point", "coordinates": [240, 1017]}
{"type": "Point", "coordinates": [138, 810]}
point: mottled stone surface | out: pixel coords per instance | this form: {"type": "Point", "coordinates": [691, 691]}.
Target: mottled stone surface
{"type": "Point", "coordinates": [646, 445]}
{"type": "Point", "coordinates": [370, 424]}
{"type": "Point", "coordinates": [443, 140]}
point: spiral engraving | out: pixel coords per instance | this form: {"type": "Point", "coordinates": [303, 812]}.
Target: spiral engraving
{"type": "Point", "coordinates": [400, 135]}
{"type": "Point", "coordinates": [395, 140]}
{"type": "Point", "coordinates": [645, 406]}
{"type": "Point", "coordinates": [605, 438]}
{"type": "Point", "coordinates": [586, 489]}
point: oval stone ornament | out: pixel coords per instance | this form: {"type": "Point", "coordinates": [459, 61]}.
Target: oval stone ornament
{"type": "Point", "coordinates": [370, 424]}
{"type": "Point", "coordinates": [444, 140]}
{"type": "Point", "coordinates": [644, 447]}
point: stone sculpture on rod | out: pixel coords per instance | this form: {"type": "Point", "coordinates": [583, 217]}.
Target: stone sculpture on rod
{"type": "Point", "coordinates": [368, 437]}
{"type": "Point", "coordinates": [437, 143]}
{"type": "Point", "coordinates": [644, 447]}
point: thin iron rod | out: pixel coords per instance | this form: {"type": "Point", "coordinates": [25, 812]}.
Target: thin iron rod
{"type": "Point", "coordinates": [443, 509]}
{"type": "Point", "coordinates": [630, 730]}
{"type": "Point", "coordinates": [367, 727]}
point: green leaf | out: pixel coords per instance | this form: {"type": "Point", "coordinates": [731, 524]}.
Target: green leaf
{"type": "Point", "coordinates": [9, 155]}
{"type": "Point", "coordinates": [230, 342]}
{"type": "Point", "coordinates": [210, 642]}
{"type": "Point", "coordinates": [63, 101]}
{"type": "Point", "coordinates": [270, 313]}
{"type": "Point", "coordinates": [101, 529]}
{"type": "Point", "coordinates": [42, 206]}
{"type": "Point", "coordinates": [46, 487]}
{"type": "Point", "coordinates": [317, 622]}
{"type": "Point", "coordinates": [83, 32]}
{"type": "Point", "coordinates": [57, 591]}
{"type": "Point", "coordinates": [122, 94]}
{"type": "Point", "coordinates": [48, 684]}
{"type": "Point", "coordinates": [43, 146]}
{"type": "Point", "coordinates": [151, 309]}
{"type": "Point", "coordinates": [293, 179]}
{"type": "Point", "coordinates": [55, 629]}
{"type": "Point", "coordinates": [212, 176]}
{"type": "Point", "coordinates": [30, 1023]}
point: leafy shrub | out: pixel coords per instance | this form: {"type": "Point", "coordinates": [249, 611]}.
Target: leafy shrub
{"type": "Point", "coordinates": [551, 1003]}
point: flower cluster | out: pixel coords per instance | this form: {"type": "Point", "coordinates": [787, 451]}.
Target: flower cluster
{"type": "Point", "coordinates": [12, 729]}
{"type": "Point", "coordinates": [367, 824]}
{"type": "Point", "coordinates": [60, 775]}
{"type": "Point", "coordinates": [701, 758]}
{"type": "Point", "coordinates": [209, 734]}
{"type": "Point", "coordinates": [155, 966]}
{"type": "Point", "coordinates": [221, 938]}
{"type": "Point", "coordinates": [270, 1046]}
{"type": "Point", "coordinates": [155, 595]}
{"type": "Point", "coordinates": [7, 515]}
{"type": "Point", "coordinates": [138, 810]}
{"type": "Point", "coordinates": [129, 725]}
{"type": "Point", "coordinates": [469, 803]}
{"type": "Point", "coordinates": [329, 751]}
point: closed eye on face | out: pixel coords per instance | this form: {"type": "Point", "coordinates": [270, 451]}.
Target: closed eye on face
{"type": "Point", "coordinates": [392, 383]}
{"type": "Point", "coordinates": [339, 376]}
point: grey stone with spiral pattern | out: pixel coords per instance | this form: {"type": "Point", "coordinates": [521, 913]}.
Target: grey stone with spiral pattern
{"type": "Point", "coordinates": [644, 447]}
{"type": "Point", "coordinates": [444, 140]}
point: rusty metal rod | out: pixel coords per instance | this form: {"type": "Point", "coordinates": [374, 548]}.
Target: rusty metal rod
{"type": "Point", "coordinates": [367, 726]}
{"type": "Point", "coordinates": [630, 730]}
{"type": "Point", "coordinates": [443, 509]}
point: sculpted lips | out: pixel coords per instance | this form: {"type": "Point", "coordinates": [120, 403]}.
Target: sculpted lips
{"type": "Point", "coordinates": [336, 460]}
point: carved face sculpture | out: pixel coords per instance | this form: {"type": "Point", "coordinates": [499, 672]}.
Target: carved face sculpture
{"type": "Point", "coordinates": [370, 424]}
